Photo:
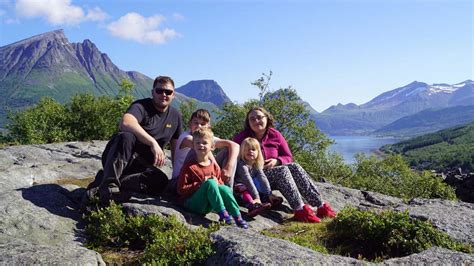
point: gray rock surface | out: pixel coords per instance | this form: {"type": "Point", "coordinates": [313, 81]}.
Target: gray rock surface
{"type": "Point", "coordinates": [236, 246]}
{"type": "Point", "coordinates": [40, 222]}
{"type": "Point", "coordinates": [434, 256]}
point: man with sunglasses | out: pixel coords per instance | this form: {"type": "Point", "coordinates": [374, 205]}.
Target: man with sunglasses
{"type": "Point", "coordinates": [132, 158]}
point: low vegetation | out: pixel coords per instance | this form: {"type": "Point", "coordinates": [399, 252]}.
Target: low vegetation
{"type": "Point", "coordinates": [152, 239]}
{"type": "Point", "coordinates": [80, 182]}
{"type": "Point", "coordinates": [368, 235]}
{"type": "Point", "coordinates": [392, 176]}
{"type": "Point", "coordinates": [445, 149]}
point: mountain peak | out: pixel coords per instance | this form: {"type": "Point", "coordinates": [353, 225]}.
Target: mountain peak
{"type": "Point", "coordinates": [205, 90]}
{"type": "Point", "coordinates": [56, 35]}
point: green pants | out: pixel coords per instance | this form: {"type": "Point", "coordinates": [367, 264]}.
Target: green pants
{"type": "Point", "coordinates": [213, 197]}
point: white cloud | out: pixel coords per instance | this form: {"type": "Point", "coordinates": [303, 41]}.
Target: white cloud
{"type": "Point", "coordinates": [178, 17]}
{"type": "Point", "coordinates": [10, 21]}
{"type": "Point", "coordinates": [57, 12]}
{"type": "Point", "coordinates": [135, 27]}
{"type": "Point", "coordinates": [96, 14]}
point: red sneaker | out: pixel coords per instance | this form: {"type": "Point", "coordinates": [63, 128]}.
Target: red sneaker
{"type": "Point", "coordinates": [306, 215]}
{"type": "Point", "coordinates": [326, 211]}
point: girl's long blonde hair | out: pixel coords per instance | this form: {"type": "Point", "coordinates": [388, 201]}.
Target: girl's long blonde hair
{"type": "Point", "coordinates": [251, 143]}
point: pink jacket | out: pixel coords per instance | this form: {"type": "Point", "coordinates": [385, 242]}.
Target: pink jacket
{"type": "Point", "coordinates": [273, 145]}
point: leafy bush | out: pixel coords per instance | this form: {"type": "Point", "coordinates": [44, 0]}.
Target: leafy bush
{"type": "Point", "coordinates": [84, 117]}
{"type": "Point", "coordinates": [392, 176]}
{"type": "Point", "coordinates": [43, 123]}
{"type": "Point", "coordinates": [385, 235]}
{"type": "Point", "coordinates": [93, 118]}
{"type": "Point", "coordinates": [163, 240]}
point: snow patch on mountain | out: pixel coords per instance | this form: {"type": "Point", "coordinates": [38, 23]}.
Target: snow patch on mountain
{"type": "Point", "coordinates": [442, 88]}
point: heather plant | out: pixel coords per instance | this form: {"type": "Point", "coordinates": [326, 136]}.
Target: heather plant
{"type": "Point", "coordinates": [385, 235]}
{"type": "Point", "coordinates": [158, 240]}
{"type": "Point", "coordinates": [367, 235]}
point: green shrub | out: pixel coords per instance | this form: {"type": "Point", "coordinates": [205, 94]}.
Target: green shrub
{"type": "Point", "coordinates": [385, 235]}
{"type": "Point", "coordinates": [106, 227]}
{"type": "Point", "coordinates": [162, 240]}
{"type": "Point", "coordinates": [392, 176]}
{"type": "Point", "coordinates": [84, 117]}
{"type": "Point", "coordinates": [93, 118]}
{"type": "Point", "coordinates": [42, 123]}
{"type": "Point", "coordinates": [367, 235]}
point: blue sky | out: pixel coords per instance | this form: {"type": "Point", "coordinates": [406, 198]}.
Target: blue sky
{"type": "Point", "coordinates": [329, 51]}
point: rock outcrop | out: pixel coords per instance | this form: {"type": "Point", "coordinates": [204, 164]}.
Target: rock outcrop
{"type": "Point", "coordinates": [463, 184]}
{"type": "Point", "coordinates": [40, 222]}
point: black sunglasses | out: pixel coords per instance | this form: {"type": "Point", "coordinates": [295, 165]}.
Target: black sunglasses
{"type": "Point", "coordinates": [160, 91]}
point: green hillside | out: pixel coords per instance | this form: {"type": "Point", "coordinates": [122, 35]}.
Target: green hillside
{"type": "Point", "coordinates": [445, 149]}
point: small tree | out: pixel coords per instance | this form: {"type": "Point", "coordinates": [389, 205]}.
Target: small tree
{"type": "Point", "coordinates": [187, 108]}
{"type": "Point", "coordinates": [293, 120]}
{"type": "Point", "coordinates": [229, 121]}
{"type": "Point", "coordinates": [125, 96]}
{"type": "Point", "coordinates": [262, 84]}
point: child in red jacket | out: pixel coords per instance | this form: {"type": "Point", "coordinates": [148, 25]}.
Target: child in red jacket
{"type": "Point", "coordinates": [201, 185]}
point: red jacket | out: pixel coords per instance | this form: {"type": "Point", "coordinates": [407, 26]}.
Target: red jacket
{"type": "Point", "coordinates": [193, 175]}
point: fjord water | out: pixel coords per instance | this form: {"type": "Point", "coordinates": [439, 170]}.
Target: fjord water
{"type": "Point", "coordinates": [348, 146]}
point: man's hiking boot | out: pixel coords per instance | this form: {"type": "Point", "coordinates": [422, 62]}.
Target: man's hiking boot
{"type": "Point", "coordinates": [111, 192]}
{"type": "Point", "coordinates": [257, 208]}
{"type": "Point", "coordinates": [275, 201]}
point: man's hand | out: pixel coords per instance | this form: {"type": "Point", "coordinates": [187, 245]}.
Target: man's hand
{"type": "Point", "coordinates": [226, 173]}
{"type": "Point", "coordinates": [270, 163]}
{"type": "Point", "coordinates": [159, 155]}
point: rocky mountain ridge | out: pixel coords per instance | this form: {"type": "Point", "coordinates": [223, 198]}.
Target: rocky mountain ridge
{"type": "Point", "coordinates": [49, 65]}
{"type": "Point", "coordinates": [428, 120]}
{"type": "Point", "coordinates": [392, 105]}
{"type": "Point", "coordinates": [40, 222]}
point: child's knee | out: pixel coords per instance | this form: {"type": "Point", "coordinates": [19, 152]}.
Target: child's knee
{"type": "Point", "coordinates": [210, 183]}
{"type": "Point", "coordinates": [226, 189]}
